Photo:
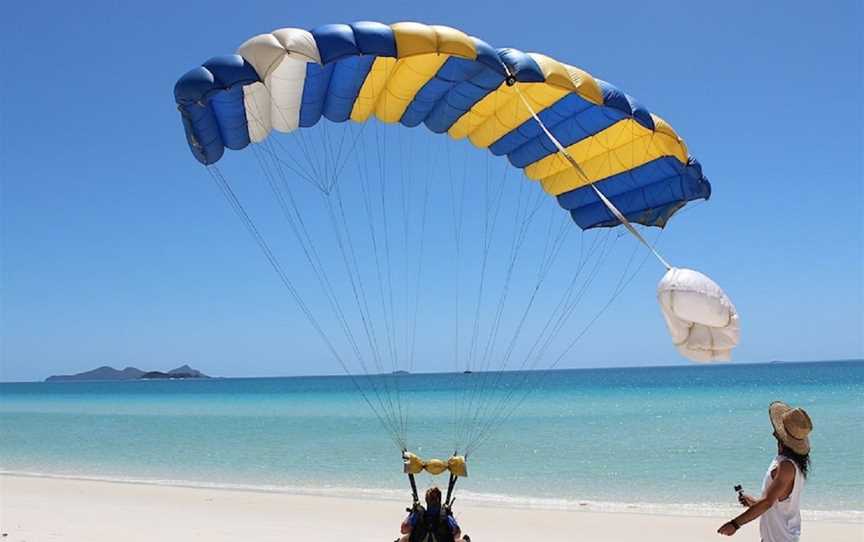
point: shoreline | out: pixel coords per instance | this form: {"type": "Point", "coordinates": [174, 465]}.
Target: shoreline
{"type": "Point", "coordinates": [41, 508]}
{"type": "Point", "coordinates": [479, 500]}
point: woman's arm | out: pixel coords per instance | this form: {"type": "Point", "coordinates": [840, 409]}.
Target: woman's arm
{"type": "Point", "coordinates": [779, 487]}
{"type": "Point", "coordinates": [746, 500]}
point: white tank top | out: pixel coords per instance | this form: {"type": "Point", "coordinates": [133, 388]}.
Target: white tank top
{"type": "Point", "coordinates": [782, 522]}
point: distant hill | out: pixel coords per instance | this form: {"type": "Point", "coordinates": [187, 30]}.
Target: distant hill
{"type": "Point", "coordinates": [187, 372]}
{"type": "Point", "coordinates": [102, 373]}
{"type": "Point", "coordinates": [129, 373]}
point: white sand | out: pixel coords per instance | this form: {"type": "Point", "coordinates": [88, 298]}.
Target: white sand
{"type": "Point", "coordinates": [44, 509]}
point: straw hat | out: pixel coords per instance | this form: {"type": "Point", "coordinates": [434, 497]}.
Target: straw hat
{"type": "Point", "coordinates": [791, 425]}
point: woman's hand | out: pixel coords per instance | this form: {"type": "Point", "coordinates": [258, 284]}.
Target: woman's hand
{"type": "Point", "coordinates": [746, 500]}
{"type": "Point", "coordinates": [727, 529]}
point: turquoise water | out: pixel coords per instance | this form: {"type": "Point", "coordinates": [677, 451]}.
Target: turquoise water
{"type": "Point", "coordinates": [672, 438]}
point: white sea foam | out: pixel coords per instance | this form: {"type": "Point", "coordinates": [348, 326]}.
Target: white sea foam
{"type": "Point", "coordinates": [705, 509]}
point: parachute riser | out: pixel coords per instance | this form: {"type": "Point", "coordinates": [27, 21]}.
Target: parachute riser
{"type": "Point", "coordinates": [414, 495]}
{"type": "Point", "coordinates": [451, 484]}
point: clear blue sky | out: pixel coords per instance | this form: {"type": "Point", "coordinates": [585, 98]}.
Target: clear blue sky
{"type": "Point", "coordinates": [117, 250]}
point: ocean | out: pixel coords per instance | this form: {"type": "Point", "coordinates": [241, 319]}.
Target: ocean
{"type": "Point", "coordinates": [656, 439]}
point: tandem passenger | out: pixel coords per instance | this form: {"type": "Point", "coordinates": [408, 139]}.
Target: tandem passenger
{"type": "Point", "coordinates": [432, 524]}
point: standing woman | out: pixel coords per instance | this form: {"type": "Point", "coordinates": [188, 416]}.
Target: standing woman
{"type": "Point", "coordinates": [778, 509]}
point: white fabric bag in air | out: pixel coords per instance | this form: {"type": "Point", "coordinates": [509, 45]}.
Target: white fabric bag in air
{"type": "Point", "coordinates": [701, 318]}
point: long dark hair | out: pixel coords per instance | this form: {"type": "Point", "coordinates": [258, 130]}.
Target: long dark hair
{"type": "Point", "coordinates": [803, 461]}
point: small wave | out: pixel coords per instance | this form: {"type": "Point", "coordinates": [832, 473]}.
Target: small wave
{"type": "Point", "coordinates": [470, 497]}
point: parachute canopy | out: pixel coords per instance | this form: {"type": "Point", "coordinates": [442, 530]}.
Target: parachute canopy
{"type": "Point", "coordinates": [432, 253]}
{"type": "Point", "coordinates": [701, 318]}
{"type": "Point", "coordinates": [438, 76]}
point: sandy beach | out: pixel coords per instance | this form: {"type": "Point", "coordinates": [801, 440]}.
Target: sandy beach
{"type": "Point", "coordinates": [36, 509]}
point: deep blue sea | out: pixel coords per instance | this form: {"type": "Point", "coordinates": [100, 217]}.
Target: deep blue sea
{"type": "Point", "coordinates": [662, 439]}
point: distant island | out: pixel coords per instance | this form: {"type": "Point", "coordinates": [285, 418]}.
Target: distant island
{"type": "Point", "coordinates": [129, 373]}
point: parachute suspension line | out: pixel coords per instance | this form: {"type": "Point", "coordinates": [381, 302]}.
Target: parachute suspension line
{"type": "Point", "coordinates": [457, 222]}
{"type": "Point", "coordinates": [524, 216]}
{"type": "Point", "coordinates": [320, 173]}
{"type": "Point", "coordinates": [488, 230]}
{"type": "Point", "coordinates": [383, 273]}
{"type": "Point", "coordinates": [478, 400]}
{"type": "Point", "coordinates": [475, 414]}
{"type": "Point", "coordinates": [371, 211]}
{"type": "Point", "coordinates": [326, 164]}
{"type": "Point", "coordinates": [412, 333]}
{"type": "Point", "coordinates": [351, 262]}
{"type": "Point", "coordinates": [386, 293]}
{"type": "Point", "coordinates": [392, 381]}
{"type": "Point", "coordinates": [295, 219]}
{"type": "Point", "coordinates": [412, 269]}
{"type": "Point", "coordinates": [554, 323]}
{"type": "Point", "coordinates": [295, 165]}
{"type": "Point", "coordinates": [551, 251]}
{"type": "Point", "coordinates": [569, 302]}
{"type": "Point", "coordinates": [389, 339]}
{"type": "Point", "coordinates": [337, 156]}
{"type": "Point", "coordinates": [298, 168]}
{"type": "Point", "coordinates": [349, 259]}
{"type": "Point", "coordinates": [471, 391]}
{"type": "Point", "coordinates": [562, 314]}
{"type": "Point", "coordinates": [620, 287]}
{"type": "Point", "coordinates": [230, 196]}
{"type": "Point", "coordinates": [292, 214]}
{"type": "Point", "coordinates": [348, 254]}
{"type": "Point", "coordinates": [520, 228]}
{"type": "Point", "coordinates": [566, 154]}
{"type": "Point", "coordinates": [375, 341]}
{"type": "Point", "coordinates": [387, 301]}
{"type": "Point", "coordinates": [300, 135]}
{"type": "Point", "coordinates": [404, 186]}
{"type": "Point", "coordinates": [538, 350]}
{"type": "Point", "coordinates": [350, 153]}
{"type": "Point", "coordinates": [545, 266]}
{"type": "Point", "coordinates": [457, 197]}
{"type": "Point", "coordinates": [492, 208]}
{"type": "Point", "coordinates": [552, 327]}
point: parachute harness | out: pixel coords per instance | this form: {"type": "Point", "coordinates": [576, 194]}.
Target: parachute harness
{"type": "Point", "coordinates": [511, 82]}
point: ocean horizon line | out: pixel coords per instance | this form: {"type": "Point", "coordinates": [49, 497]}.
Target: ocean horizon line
{"type": "Point", "coordinates": [439, 373]}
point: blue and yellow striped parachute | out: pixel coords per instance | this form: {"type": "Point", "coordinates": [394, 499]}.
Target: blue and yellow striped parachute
{"type": "Point", "coordinates": [438, 76]}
